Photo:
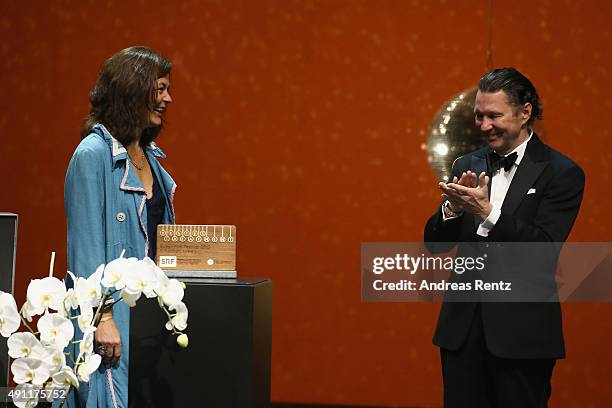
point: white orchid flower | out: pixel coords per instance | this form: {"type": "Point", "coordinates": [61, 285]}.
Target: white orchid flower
{"type": "Point", "coordinates": [171, 292]}
{"type": "Point", "coordinates": [55, 358]}
{"type": "Point", "coordinates": [88, 290]}
{"type": "Point", "coordinates": [115, 272]}
{"type": "Point", "coordinates": [28, 395]}
{"type": "Point", "coordinates": [179, 320]}
{"type": "Point", "coordinates": [9, 316]}
{"type": "Point", "coordinates": [87, 343]}
{"type": "Point", "coordinates": [25, 344]}
{"type": "Point", "coordinates": [55, 329]}
{"type": "Point", "coordinates": [142, 279]}
{"type": "Point", "coordinates": [53, 390]}
{"type": "Point", "coordinates": [130, 298]}
{"type": "Point", "coordinates": [27, 311]}
{"type": "Point", "coordinates": [88, 366]}
{"type": "Point", "coordinates": [85, 319]}
{"type": "Point", "coordinates": [65, 377]}
{"type": "Point", "coordinates": [163, 281]}
{"type": "Point", "coordinates": [27, 369]}
{"type": "Point", "coordinates": [161, 276]}
{"type": "Point", "coordinates": [46, 293]}
{"type": "Point", "coordinates": [85, 296]}
{"type": "Point", "coordinates": [155, 281]}
{"type": "Point", "coordinates": [71, 301]}
{"type": "Point", "coordinates": [64, 311]}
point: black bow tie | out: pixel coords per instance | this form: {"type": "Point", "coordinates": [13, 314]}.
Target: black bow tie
{"type": "Point", "coordinates": [497, 161]}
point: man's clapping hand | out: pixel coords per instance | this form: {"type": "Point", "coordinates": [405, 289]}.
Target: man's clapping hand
{"type": "Point", "coordinates": [468, 194]}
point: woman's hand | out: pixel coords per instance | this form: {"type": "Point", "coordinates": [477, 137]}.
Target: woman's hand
{"type": "Point", "coordinates": [108, 341]}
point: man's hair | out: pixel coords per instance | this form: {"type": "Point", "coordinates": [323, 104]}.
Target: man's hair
{"type": "Point", "coordinates": [517, 87]}
{"type": "Point", "coordinates": [124, 95]}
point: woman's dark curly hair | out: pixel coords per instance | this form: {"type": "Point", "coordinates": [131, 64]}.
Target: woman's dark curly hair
{"type": "Point", "coordinates": [124, 95]}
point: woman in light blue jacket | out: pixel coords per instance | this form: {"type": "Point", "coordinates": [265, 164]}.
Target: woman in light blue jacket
{"type": "Point", "coordinates": [116, 194]}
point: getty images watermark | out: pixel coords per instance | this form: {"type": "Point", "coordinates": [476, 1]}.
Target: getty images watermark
{"type": "Point", "coordinates": [486, 272]}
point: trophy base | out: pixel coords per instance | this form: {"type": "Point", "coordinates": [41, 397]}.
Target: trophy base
{"type": "Point", "coordinates": [181, 273]}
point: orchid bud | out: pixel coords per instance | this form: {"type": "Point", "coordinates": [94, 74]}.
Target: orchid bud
{"type": "Point", "coordinates": [182, 340]}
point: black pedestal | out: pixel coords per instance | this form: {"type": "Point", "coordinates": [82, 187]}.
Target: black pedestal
{"type": "Point", "coordinates": [227, 363]}
{"type": "Point", "coordinates": [8, 245]}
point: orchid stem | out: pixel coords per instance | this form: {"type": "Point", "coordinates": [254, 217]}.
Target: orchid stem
{"type": "Point", "coordinates": [170, 319]}
{"type": "Point", "coordinates": [66, 398]}
{"type": "Point", "coordinates": [23, 320]}
{"type": "Point", "coordinates": [105, 296]}
{"type": "Point", "coordinates": [51, 264]}
{"type": "Point", "coordinates": [166, 311]}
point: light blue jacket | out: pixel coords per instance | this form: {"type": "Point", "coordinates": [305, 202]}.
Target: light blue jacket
{"type": "Point", "coordinates": [106, 213]}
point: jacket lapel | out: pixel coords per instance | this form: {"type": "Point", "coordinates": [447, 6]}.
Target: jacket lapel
{"type": "Point", "coordinates": [528, 171]}
{"type": "Point", "coordinates": [479, 163]}
{"type": "Point", "coordinates": [130, 180]}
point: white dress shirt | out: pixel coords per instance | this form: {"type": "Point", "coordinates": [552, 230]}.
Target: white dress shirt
{"type": "Point", "coordinates": [499, 188]}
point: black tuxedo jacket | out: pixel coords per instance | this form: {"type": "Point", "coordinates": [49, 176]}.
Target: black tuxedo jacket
{"type": "Point", "coordinates": [514, 330]}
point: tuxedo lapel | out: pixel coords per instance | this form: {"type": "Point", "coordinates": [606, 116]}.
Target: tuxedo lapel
{"type": "Point", "coordinates": [527, 173]}
{"type": "Point", "coordinates": [478, 164]}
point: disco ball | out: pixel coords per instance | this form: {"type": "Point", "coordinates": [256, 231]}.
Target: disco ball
{"type": "Point", "coordinates": [453, 133]}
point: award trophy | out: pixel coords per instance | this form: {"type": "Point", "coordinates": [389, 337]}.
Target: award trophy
{"type": "Point", "coordinates": [204, 251]}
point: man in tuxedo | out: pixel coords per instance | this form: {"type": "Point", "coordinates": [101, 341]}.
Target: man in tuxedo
{"type": "Point", "coordinates": [516, 189]}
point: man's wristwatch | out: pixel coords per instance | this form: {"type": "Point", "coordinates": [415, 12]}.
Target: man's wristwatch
{"type": "Point", "coordinates": [448, 212]}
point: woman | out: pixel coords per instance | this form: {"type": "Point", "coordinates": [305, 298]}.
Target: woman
{"type": "Point", "coordinates": [116, 194]}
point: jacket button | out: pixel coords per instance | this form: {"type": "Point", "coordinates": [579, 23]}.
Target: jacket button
{"type": "Point", "coordinates": [120, 217]}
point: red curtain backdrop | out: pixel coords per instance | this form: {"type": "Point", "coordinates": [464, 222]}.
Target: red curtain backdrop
{"type": "Point", "coordinates": [302, 122]}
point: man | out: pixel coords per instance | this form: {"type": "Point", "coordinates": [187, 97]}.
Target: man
{"type": "Point", "coordinates": [517, 189]}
